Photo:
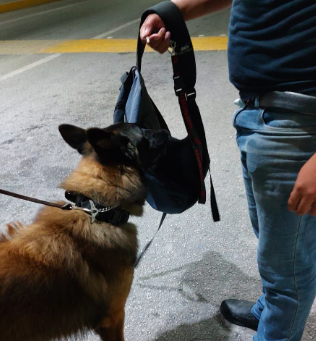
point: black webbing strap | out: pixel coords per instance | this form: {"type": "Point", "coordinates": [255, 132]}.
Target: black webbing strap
{"type": "Point", "coordinates": [188, 105]}
{"type": "Point", "coordinates": [214, 207]}
{"type": "Point", "coordinates": [141, 255]}
{"type": "Point", "coordinates": [196, 143]}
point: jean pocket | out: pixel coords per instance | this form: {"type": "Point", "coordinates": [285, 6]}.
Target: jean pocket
{"type": "Point", "coordinates": [288, 121]}
{"type": "Point", "coordinates": [236, 113]}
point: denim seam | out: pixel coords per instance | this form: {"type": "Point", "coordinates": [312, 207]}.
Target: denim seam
{"type": "Point", "coordinates": [294, 273]}
{"type": "Point", "coordinates": [291, 130]}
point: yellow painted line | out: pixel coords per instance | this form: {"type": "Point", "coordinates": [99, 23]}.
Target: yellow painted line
{"type": "Point", "coordinates": [210, 43]}
{"type": "Point", "coordinates": [25, 46]}
{"type": "Point", "coordinates": [93, 46]}
{"type": "Point", "coordinates": [128, 45]}
{"type": "Point", "coordinates": [16, 5]}
{"type": "Point", "coordinates": [97, 45]}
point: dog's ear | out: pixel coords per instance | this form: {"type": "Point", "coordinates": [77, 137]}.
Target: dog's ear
{"type": "Point", "coordinates": [74, 136]}
{"type": "Point", "coordinates": [108, 145]}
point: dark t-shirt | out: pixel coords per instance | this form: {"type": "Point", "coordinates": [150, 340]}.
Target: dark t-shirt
{"type": "Point", "coordinates": [272, 46]}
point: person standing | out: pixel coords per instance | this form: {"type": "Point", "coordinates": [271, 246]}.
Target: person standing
{"type": "Point", "coordinates": [272, 62]}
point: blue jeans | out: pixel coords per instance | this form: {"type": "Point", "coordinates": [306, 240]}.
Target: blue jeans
{"type": "Point", "coordinates": [274, 145]}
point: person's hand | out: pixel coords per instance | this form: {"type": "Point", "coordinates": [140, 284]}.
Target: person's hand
{"type": "Point", "coordinates": [303, 196]}
{"type": "Point", "coordinates": [153, 32]}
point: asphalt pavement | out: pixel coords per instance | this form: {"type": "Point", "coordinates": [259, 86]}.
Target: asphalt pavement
{"type": "Point", "coordinates": [193, 263]}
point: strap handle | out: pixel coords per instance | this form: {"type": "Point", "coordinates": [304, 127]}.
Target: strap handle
{"type": "Point", "coordinates": [173, 20]}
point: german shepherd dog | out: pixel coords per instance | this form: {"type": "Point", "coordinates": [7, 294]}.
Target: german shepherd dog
{"type": "Point", "coordinates": [64, 274]}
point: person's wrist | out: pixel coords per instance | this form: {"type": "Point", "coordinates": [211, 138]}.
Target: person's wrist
{"type": "Point", "coordinates": [179, 4]}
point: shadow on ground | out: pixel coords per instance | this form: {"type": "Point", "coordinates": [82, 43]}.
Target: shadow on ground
{"type": "Point", "coordinates": [206, 330]}
{"type": "Point", "coordinates": [206, 282]}
{"type": "Point", "coordinates": [211, 280]}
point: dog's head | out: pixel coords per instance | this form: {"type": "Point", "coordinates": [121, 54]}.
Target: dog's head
{"type": "Point", "coordinates": [121, 144]}
{"type": "Point", "coordinates": [123, 149]}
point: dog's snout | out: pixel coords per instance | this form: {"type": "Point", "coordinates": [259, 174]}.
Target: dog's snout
{"type": "Point", "coordinates": [156, 133]}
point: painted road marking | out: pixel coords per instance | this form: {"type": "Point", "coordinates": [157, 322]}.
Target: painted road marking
{"type": "Point", "coordinates": [93, 46]}
{"type": "Point", "coordinates": [25, 46]}
{"type": "Point", "coordinates": [40, 13]}
{"type": "Point", "coordinates": [100, 36]}
{"type": "Point", "coordinates": [97, 46]}
{"type": "Point", "coordinates": [28, 67]}
{"type": "Point", "coordinates": [16, 5]}
{"type": "Point", "coordinates": [209, 43]}
{"type": "Point", "coordinates": [3, 46]}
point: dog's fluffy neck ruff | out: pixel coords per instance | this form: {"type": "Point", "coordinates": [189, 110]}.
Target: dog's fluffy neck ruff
{"type": "Point", "coordinates": [107, 185]}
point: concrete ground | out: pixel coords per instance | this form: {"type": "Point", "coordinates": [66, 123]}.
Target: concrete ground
{"type": "Point", "coordinates": [193, 263]}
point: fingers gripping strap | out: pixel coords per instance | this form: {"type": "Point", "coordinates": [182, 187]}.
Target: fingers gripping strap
{"type": "Point", "coordinates": [175, 24]}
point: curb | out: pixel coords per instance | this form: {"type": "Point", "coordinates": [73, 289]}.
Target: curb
{"type": "Point", "coordinates": [14, 6]}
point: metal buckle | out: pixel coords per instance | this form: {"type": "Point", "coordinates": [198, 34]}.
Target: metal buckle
{"type": "Point", "coordinates": [93, 211]}
{"type": "Point", "coordinates": [172, 48]}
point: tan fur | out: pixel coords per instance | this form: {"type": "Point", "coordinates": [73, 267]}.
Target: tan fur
{"type": "Point", "coordinates": [63, 275]}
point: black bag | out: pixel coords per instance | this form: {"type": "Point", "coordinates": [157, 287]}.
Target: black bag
{"type": "Point", "coordinates": [177, 182]}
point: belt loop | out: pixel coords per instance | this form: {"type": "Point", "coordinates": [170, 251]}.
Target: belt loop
{"type": "Point", "coordinates": [253, 101]}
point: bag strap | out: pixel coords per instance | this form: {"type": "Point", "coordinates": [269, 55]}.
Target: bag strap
{"type": "Point", "coordinates": [173, 20]}
{"type": "Point", "coordinates": [192, 118]}
{"type": "Point", "coordinates": [184, 68]}
{"type": "Point", "coordinates": [141, 255]}
{"type": "Point", "coordinates": [194, 137]}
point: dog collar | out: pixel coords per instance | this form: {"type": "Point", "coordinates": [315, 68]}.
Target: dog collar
{"type": "Point", "coordinates": [107, 214]}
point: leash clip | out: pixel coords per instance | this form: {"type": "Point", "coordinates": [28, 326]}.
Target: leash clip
{"type": "Point", "coordinates": [93, 211]}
